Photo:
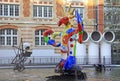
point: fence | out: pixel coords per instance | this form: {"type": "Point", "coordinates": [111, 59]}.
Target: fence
{"type": "Point", "coordinates": [32, 60]}
{"type": "Point", "coordinates": [54, 60]}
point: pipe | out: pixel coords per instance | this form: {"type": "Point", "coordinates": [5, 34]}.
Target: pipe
{"type": "Point", "coordinates": [93, 47]}
{"type": "Point", "coordinates": [81, 53]}
{"type": "Point", "coordinates": [85, 36]}
{"type": "Point", "coordinates": [108, 38]}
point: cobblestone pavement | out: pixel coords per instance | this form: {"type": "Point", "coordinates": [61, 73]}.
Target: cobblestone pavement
{"type": "Point", "coordinates": [47, 74]}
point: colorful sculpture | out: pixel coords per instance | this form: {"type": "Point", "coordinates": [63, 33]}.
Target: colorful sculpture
{"type": "Point", "coordinates": [69, 36]}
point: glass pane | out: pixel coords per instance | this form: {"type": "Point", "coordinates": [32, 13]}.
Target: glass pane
{"type": "Point", "coordinates": [45, 11]}
{"type": "Point", "coordinates": [107, 1]}
{"type": "Point", "coordinates": [50, 12]}
{"type": "Point", "coordinates": [8, 40]}
{"type": "Point", "coordinates": [36, 40]}
{"type": "Point", "coordinates": [42, 41]}
{"type": "Point", "coordinates": [42, 32]}
{"type": "Point", "coordinates": [14, 40]}
{"type": "Point", "coordinates": [16, 10]}
{"type": "Point", "coordinates": [14, 32]}
{"type": "Point", "coordinates": [37, 32]}
{"type": "Point", "coordinates": [1, 9]}
{"type": "Point", "coordinates": [2, 40]}
{"type": "Point", "coordinates": [35, 11]}
{"type": "Point", "coordinates": [8, 31]}
{"type": "Point", "coordinates": [39, 11]}
{"type": "Point", "coordinates": [6, 10]}
{"type": "Point", "coordinates": [11, 10]}
{"type": "Point", "coordinates": [2, 32]}
{"type": "Point", "coordinates": [74, 0]}
{"type": "Point", "coordinates": [49, 38]}
{"type": "Point", "coordinates": [80, 11]}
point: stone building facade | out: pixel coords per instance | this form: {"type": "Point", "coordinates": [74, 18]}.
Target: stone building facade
{"type": "Point", "coordinates": [27, 19]}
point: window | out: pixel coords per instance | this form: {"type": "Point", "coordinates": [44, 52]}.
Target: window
{"type": "Point", "coordinates": [107, 1]}
{"type": "Point", "coordinates": [39, 39]}
{"type": "Point", "coordinates": [42, 11]}
{"type": "Point", "coordinates": [112, 15]}
{"type": "Point", "coordinates": [75, 0]}
{"type": "Point", "coordinates": [116, 2]}
{"type": "Point", "coordinates": [80, 11]}
{"type": "Point", "coordinates": [8, 37]}
{"type": "Point", "coordinates": [9, 10]}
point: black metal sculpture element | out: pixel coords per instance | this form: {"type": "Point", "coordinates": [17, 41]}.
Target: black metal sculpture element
{"type": "Point", "coordinates": [21, 56]}
{"type": "Point", "coordinates": [99, 67]}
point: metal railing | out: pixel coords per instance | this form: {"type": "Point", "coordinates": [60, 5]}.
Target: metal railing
{"type": "Point", "coordinates": [56, 60]}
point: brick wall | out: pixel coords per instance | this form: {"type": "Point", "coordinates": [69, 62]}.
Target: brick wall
{"type": "Point", "coordinates": [26, 24]}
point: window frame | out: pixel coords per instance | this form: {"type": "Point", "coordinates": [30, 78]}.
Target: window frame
{"type": "Point", "coordinates": [40, 36]}
{"type": "Point", "coordinates": [16, 7]}
{"type": "Point", "coordinates": [79, 11]}
{"type": "Point", "coordinates": [48, 10]}
{"type": "Point", "coordinates": [9, 35]}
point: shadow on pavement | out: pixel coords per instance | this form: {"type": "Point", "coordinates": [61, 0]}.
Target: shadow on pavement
{"type": "Point", "coordinates": [62, 78]}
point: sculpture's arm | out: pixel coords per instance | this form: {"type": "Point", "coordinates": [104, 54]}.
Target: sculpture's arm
{"type": "Point", "coordinates": [51, 41]}
{"type": "Point", "coordinates": [80, 27]}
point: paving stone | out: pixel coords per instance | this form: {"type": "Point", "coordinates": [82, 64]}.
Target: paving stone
{"type": "Point", "coordinates": [46, 74]}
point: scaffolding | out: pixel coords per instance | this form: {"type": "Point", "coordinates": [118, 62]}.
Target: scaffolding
{"type": "Point", "coordinates": [112, 22]}
{"type": "Point", "coordinates": [112, 14]}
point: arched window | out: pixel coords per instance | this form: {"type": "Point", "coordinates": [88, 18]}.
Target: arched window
{"type": "Point", "coordinates": [39, 40]}
{"type": "Point", "coordinates": [8, 37]}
